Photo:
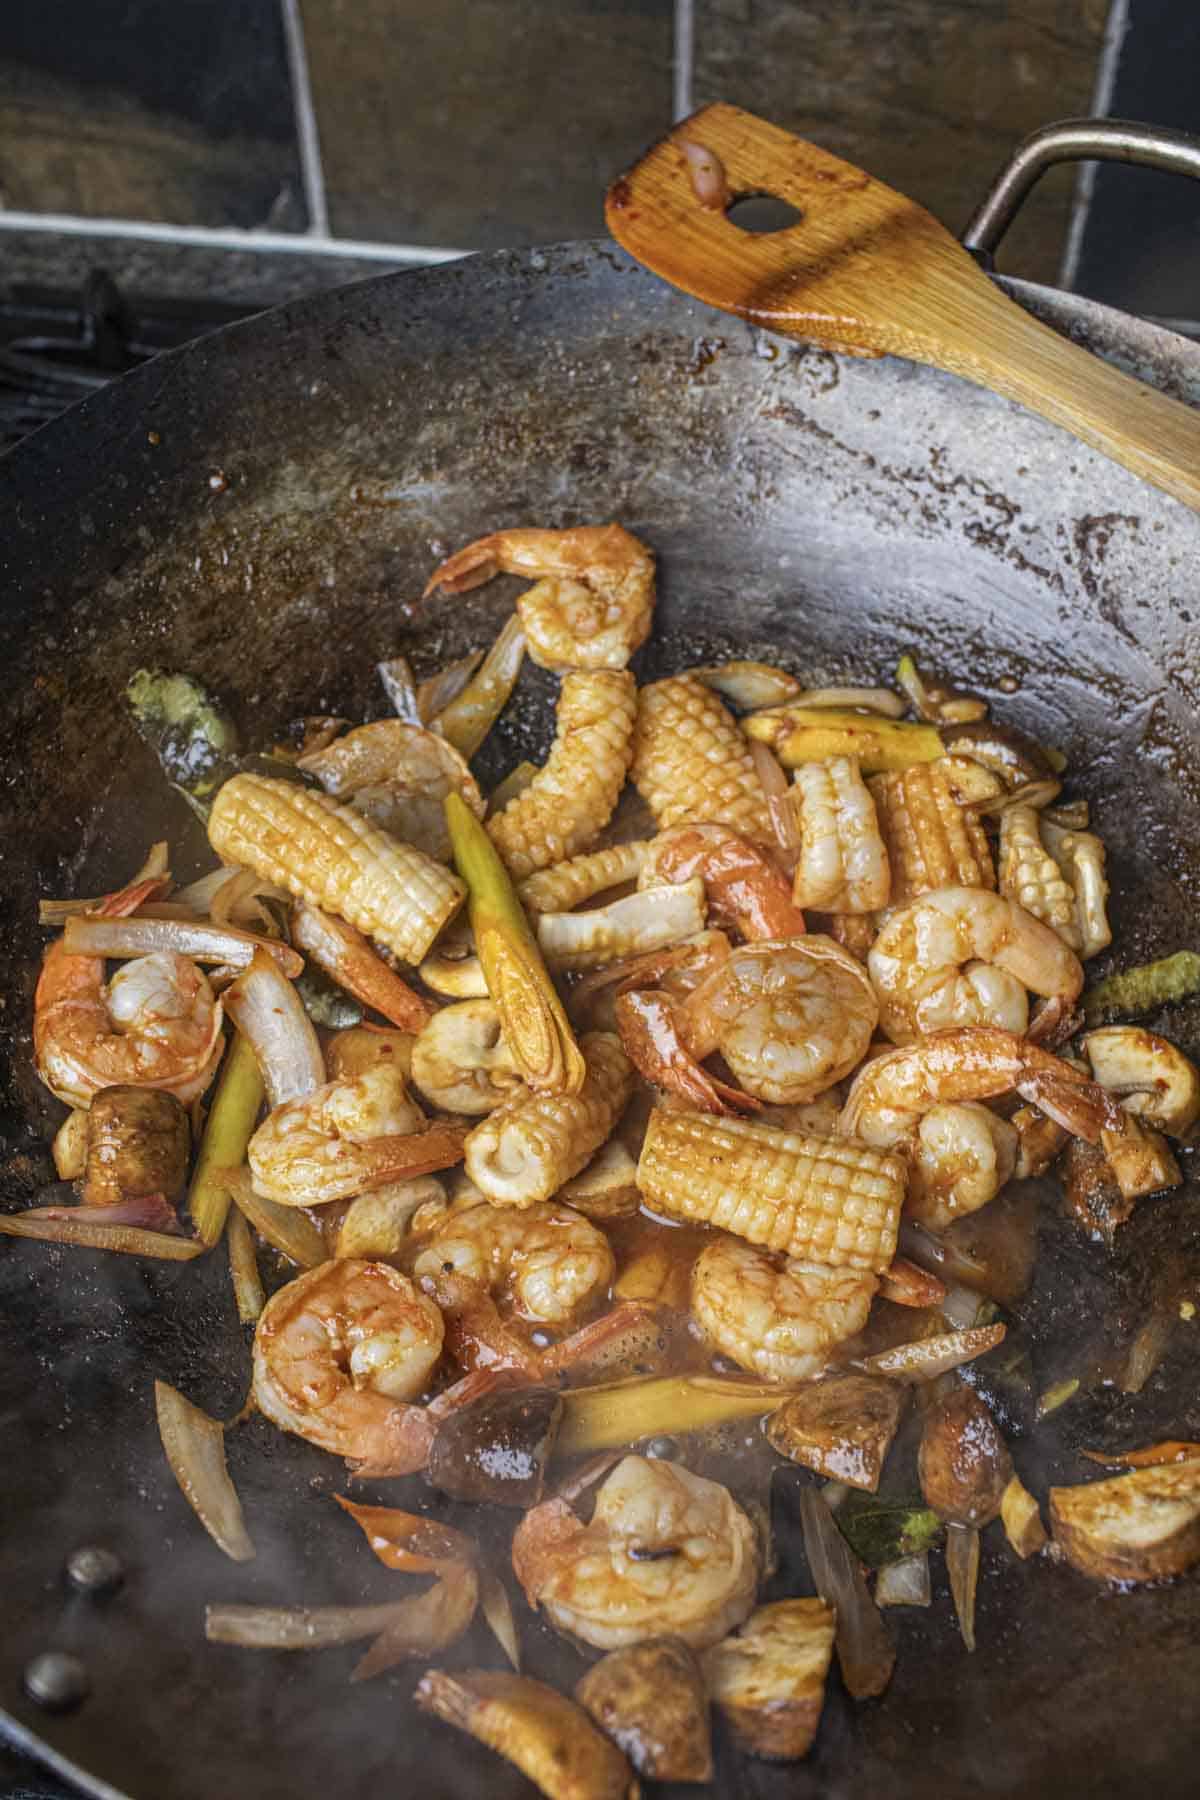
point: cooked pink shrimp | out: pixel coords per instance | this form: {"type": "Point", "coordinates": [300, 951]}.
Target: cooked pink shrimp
{"type": "Point", "coordinates": [744, 888]}
{"type": "Point", "coordinates": [156, 1024]}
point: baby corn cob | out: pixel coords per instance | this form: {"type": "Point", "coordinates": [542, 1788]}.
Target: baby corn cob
{"type": "Point", "coordinates": [329, 856]}
{"type": "Point", "coordinates": [692, 764]}
{"type": "Point", "coordinates": [565, 885]}
{"type": "Point", "coordinates": [932, 841]}
{"type": "Point", "coordinates": [825, 1200]}
{"type": "Point", "coordinates": [572, 798]}
{"type": "Point", "coordinates": [525, 1150]}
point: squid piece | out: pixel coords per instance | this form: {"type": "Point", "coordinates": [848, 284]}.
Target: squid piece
{"type": "Point", "coordinates": [1057, 875]}
{"type": "Point", "coordinates": [842, 864]}
{"type": "Point", "coordinates": [653, 920]}
{"type": "Point", "coordinates": [768, 1679]}
{"type": "Point", "coordinates": [461, 1062]}
{"type": "Point", "coordinates": [691, 764]}
{"type": "Point", "coordinates": [573, 796]}
{"type": "Point", "coordinates": [569, 884]}
{"type": "Point", "coordinates": [933, 841]}
{"type": "Point", "coordinates": [549, 1738]}
{"type": "Point", "coordinates": [533, 1143]}
{"type": "Point", "coordinates": [397, 775]}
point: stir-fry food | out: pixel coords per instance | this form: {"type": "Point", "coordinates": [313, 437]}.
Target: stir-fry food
{"type": "Point", "coordinates": [546, 1150]}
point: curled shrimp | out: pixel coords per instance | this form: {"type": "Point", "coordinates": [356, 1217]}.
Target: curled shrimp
{"type": "Point", "coordinates": [841, 862]}
{"type": "Point", "coordinates": [347, 1138]}
{"type": "Point", "coordinates": [781, 1321]}
{"type": "Point", "coordinates": [337, 1354]}
{"type": "Point", "coordinates": [666, 1553]}
{"type": "Point", "coordinates": [548, 1262]}
{"type": "Point", "coordinates": [155, 1024]}
{"type": "Point", "coordinates": [961, 1162]}
{"type": "Point", "coordinates": [593, 594]}
{"type": "Point", "coordinates": [744, 888]}
{"type": "Point", "coordinates": [397, 775]}
{"type": "Point", "coordinates": [965, 956]}
{"type": "Point", "coordinates": [790, 1018]}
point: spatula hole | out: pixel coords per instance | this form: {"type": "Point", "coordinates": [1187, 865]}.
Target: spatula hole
{"type": "Point", "coordinates": [762, 213]}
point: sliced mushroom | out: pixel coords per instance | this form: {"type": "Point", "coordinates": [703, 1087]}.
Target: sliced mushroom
{"type": "Point", "coordinates": [452, 967]}
{"type": "Point", "coordinates": [607, 1188]}
{"type": "Point", "coordinates": [1153, 1079]}
{"type": "Point", "coordinates": [1022, 1519]}
{"type": "Point", "coordinates": [963, 1462]}
{"type": "Point", "coordinates": [461, 1062]}
{"type": "Point", "coordinates": [1090, 1190]}
{"type": "Point", "coordinates": [138, 1144]}
{"type": "Point", "coordinates": [1137, 1527]}
{"type": "Point", "coordinates": [769, 1678]}
{"type": "Point", "coordinates": [548, 1737]}
{"type": "Point", "coordinates": [353, 1052]}
{"type": "Point", "coordinates": [378, 1223]}
{"type": "Point", "coordinates": [650, 1699]}
{"type": "Point", "coordinates": [70, 1146]}
{"type": "Point", "coordinates": [495, 1450]}
{"type": "Point", "coordinates": [842, 1428]}
{"type": "Point", "coordinates": [1040, 1140]}
{"type": "Point", "coordinates": [1140, 1161]}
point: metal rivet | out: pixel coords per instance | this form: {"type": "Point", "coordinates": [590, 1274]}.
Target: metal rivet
{"type": "Point", "coordinates": [94, 1570]}
{"type": "Point", "coordinates": [57, 1680]}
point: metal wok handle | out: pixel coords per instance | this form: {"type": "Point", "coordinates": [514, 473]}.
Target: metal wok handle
{"type": "Point", "coordinates": [1073, 140]}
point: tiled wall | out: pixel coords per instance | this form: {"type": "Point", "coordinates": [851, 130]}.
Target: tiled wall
{"type": "Point", "coordinates": [471, 123]}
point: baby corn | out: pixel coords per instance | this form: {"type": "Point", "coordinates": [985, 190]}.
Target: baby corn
{"type": "Point", "coordinates": [329, 856]}
{"type": "Point", "coordinates": [567, 884]}
{"type": "Point", "coordinates": [692, 764]}
{"type": "Point", "coordinates": [825, 1200]}
{"type": "Point", "coordinates": [530, 1145]}
{"type": "Point", "coordinates": [932, 841]}
{"type": "Point", "coordinates": [571, 799]}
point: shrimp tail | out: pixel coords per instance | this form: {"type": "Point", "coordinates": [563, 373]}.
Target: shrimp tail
{"type": "Point", "coordinates": [650, 1034]}
{"type": "Point", "coordinates": [471, 567]}
{"type": "Point", "coordinates": [631, 1332]}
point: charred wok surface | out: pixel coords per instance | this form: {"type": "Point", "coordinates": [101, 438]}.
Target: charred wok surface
{"type": "Point", "coordinates": [805, 508]}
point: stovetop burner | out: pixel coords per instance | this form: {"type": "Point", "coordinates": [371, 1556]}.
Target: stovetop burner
{"type": "Point", "coordinates": [57, 347]}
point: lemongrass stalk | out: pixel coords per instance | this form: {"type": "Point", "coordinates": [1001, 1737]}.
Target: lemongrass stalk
{"type": "Point", "coordinates": [231, 1120]}
{"type": "Point", "coordinates": [469, 717]}
{"type": "Point", "coordinates": [94, 1234]}
{"type": "Point", "coordinates": [802, 734]}
{"type": "Point", "coordinates": [243, 1269]}
{"type": "Point", "coordinates": [605, 1417]}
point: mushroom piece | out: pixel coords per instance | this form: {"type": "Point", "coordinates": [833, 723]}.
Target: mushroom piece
{"type": "Point", "coordinates": [1022, 1519]}
{"type": "Point", "coordinates": [1152, 1079]}
{"type": "Point", "coordinates": [453, 969]}
{"type": "Point", "coordinates": [495, 1450]}
{"type": "Point", "coordinates": [769, 1678]}
{"type": "Point", "coordinates": [352, 1052]}
{"type": "Point", "coordinates": [378, 1223]}
{"type": "Point", "coordinates": [69, 1149]}
{"type": "Point", "coordinates": [650, 1699]}
{"type": "Point", "coordinates": [842, 1428]}
{"type": "Point", "coordinates": [964, 1464]}
{"type": "Point", "coordinates": [607, 1188]}
{"type": "Point", "coordinates": [460, 1060]}
{"type": "Point", "coordinates": [548, 1737]}
{"type": "Point", "coordinates": [1137, 1527]}
{"type": "Point", "coordinates": [138, 1144]}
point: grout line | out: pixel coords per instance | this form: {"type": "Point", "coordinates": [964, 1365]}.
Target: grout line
{"type": "Point", "coordinates": [1115, 32]}
{"type": "Point", "coordinates": [308, 138]}
{"type": "Point", "coordinates": [684, 57]}
{"type": "Point", "coordinates": [206, 237]}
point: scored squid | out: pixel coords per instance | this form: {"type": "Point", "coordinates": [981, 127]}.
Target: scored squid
{"type": "Point", "coordinates": [691, 764]}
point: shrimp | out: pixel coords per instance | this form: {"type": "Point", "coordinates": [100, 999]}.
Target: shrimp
{"type": "Point", "coordinates": [593, 594]}
{"type": "Point", "coordinates": [666, 1553]}
{"type": "Point", "coordinates": [547, 1262]}
{"type": "Point", "coordinates": [780, 1321]}
{"type": "Point", "coordinates": [338, 1352]}
{"type": "Point", "coordinates": [894, 1096]}
{"type": "Point", "coordinates": [842, 864]}
{"type": "Point", "coordinates": [650, 1030]}
{"type": "Point", "coordinates": [790, 1018]}
{"type": "Point", "coordinates": [156, 1024]}
{"type": "Point", "coordinates": [745, 889]}
{"type": "Point", "coordinates": [346, 1138]}
{"type": "Point", "coordinates": [964, 956]}
{"type": "Point", "coordinates": [397, 775]}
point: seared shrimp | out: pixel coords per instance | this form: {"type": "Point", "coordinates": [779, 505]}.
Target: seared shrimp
{"type": "Point", "coordinates": [397, 775]}
{"type": "Point", "coordinates": [666, 1553]}
{"type": "Point", "coordinates": [744, 888]}
{"type": "Point", "coordinates": [593, 594]}
{"type": "Point", "coordinates": [156, 1024]}
{"type": "Point", "coordinates": [842, 864]}
{"type": "Point", "coordinates": [547, 1262]}
{"type": "Point", "coordinates": [964, 956]}
{"type": "Point", "coordinates": [336, 1354]}
{"type": "Point", "coordinates": [346, 1138]}
{"type": "Point", "coordinates": [789, 1018]}
{"type": "Point", "coordinates": [778, 1320]}
{"type": "Point", "coordinates": [960, 1158]}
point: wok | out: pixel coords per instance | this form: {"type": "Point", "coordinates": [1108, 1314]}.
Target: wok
{"type": "Point", "coordinates": [262, 509]}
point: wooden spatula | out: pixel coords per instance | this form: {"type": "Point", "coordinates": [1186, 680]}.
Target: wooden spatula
{"type": "Point", "coordinates": [865, 269]}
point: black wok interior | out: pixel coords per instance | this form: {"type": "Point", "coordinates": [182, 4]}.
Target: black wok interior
{"type": "Point", "coordinates": [262, 510]}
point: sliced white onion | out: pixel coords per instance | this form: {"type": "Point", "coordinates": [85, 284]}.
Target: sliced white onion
{"type": "Point", "coordinates": [400, 685]}
{"type": "Point", "coordinates": [962, 1566]}
{"type": "Point", "coordinates": [865, 1651]}
{"type": "Point", "coordinates": [266, 1008]}
{"type": "Point", "coordinates": [195, 1447]}
{"type": "Point", "coordinates": [155, 868]}
{"type": "Point", "coordinates": [931, 1357]}
{"type": "Point", "coordinates": [287, 1229]}
{"type": "Point", "coordinates": [961, 1305]}
{"type": "Point", "coordinates": [708, 175]}
{"type": "Point", "coordinates": [51, 1227]}
{"type": "Point", "coordinates": [904, 1583]}
{"type": "Point", "coordinates": [297, 1627]}
{"type": "Point", "coordinates": [204, 943]}
{"type": "Point", "coordinates": [496, 1608]}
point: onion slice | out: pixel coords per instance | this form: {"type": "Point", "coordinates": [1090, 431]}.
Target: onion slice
{"type": "Point", "coordinates": [865, 1651]}
{"type": "Point", "coordinates": [287, 1229]}
{"type": "Point", "coordinates": [195, 1447]}
{"type": "Point", "coordinates": [204, 943]}
{"type": "Point", "coordinates": [243, 1269]}
{"type": "Point", "coordinates": [905, 1582]}
{"type": "Point", "coordinates": [55, 1225]}
{"type": "Point", "coordinates": [297, 1627]}
{"type": "Point", "coordinates": [156, 868]}
{"type": "Point", "coordinates": [266, 1008]}
{"type": "Point", "coordinates": [424, 1624]}
{"type": "Point", "coordinates": [934, 1356]}
{"type": "Point", "coordinates": [409, 1541]}
{"type": "Point", "coordinates": [496, 1608]}
{"type": "Point", "coordinates": [962, 1566]}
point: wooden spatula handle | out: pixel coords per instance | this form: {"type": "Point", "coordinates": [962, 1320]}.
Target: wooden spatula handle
{"type": "Point", "coordinates": [870, 270]}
